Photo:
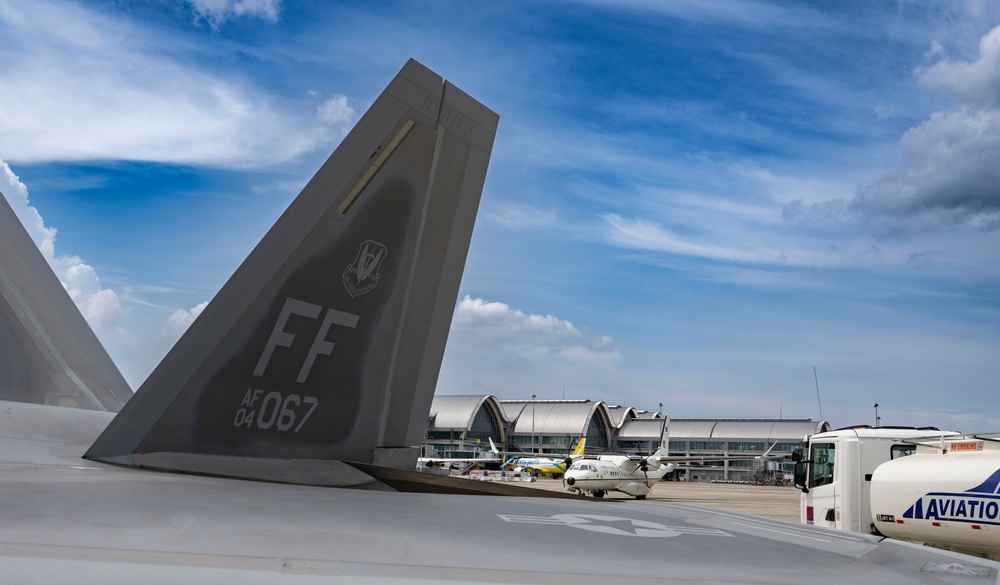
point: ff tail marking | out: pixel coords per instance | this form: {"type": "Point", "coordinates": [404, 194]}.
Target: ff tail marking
{"type": "Point", "coordinates": [341, 363]}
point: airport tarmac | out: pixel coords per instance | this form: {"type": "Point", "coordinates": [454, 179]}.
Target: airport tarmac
{"type": "Point", "coordinates": [777, 502]}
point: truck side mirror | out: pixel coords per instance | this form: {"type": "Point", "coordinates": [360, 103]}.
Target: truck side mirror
{"type": "Point", "coordinates": [797, 455]}
{"type": "Point", "coordinates": [799, 475]}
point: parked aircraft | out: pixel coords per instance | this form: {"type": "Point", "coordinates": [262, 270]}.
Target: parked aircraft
{"type": "Point", "coordinates": [631, 475]}
{"type": "Point", "coordinates": [550, 465]}
{"type": "Point", "coordinates": [323, 349]}
{"type": "Point", "coordinates": [456, 462]}
{"type": "Point", "coordinates": [634, 475]}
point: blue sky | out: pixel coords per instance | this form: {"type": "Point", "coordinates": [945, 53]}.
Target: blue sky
{"type": "Point", "coordinates": [692, 203]}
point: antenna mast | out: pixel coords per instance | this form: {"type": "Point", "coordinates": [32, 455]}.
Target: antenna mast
{"type": "Point", "coordinates": [818, 401]}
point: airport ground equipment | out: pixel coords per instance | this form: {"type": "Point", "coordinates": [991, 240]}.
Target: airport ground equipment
{"type": "Point", "coordinates": [917, 484]}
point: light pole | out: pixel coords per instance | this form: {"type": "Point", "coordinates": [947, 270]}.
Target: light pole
{"type": "Point", "coordinates": [534, 447]}
{"type": "Point", "coordinates": [877, 419]}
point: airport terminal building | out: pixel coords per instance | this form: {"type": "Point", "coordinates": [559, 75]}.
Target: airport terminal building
{"type": "Point", "coordinates": [462, 425]}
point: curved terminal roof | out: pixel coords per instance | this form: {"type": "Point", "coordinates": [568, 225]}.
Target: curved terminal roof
{"type": "Point", "coordinates": [620, 414]}
{"type": "Point", "coordinates": [641, 429]}
{"type": "Point", "coordinates": [683, 428]}
{"type": "Point", "coordinates": [458, 412]}
{"type": "Point", "coordinates": [555, 417]}
{"type": "Point", "coordinates": [778, 428]}
{"type": "Point", "coordinates": [578, 418]}
{"type": "Point", "coordinates": [648, 414]}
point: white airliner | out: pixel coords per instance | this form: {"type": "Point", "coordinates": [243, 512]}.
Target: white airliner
{"type": "Point", "coordinates": [634, 475]}
{"type": "Point", "coordinates": [458, 462]}
{"type": "Point", "coordinates": [313, 367]}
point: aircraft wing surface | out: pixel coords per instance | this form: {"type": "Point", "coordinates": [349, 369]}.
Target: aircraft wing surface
{"type": "Point", "coordinates": [100, 523]}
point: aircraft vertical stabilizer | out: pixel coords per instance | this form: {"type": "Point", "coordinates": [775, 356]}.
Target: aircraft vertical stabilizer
{"type": "Point", "coordinates": [664, 448]}
{"type": "Point", "coordinates": [326, 343]}
{"type": "Point", "coordinates": [48, 352]}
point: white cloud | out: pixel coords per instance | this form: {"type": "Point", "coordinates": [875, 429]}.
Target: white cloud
{"type": "Point", "coordinates": [100, 306]}
{"type": "Point", "coordinates": [216, 12]}
{"type": "Point", "coordinates": [535, 338]}
{"type": "Point", "coordinates": [516, 216]}
{"type": "Point", "coordinates": [178, 323]}
{"type": "Point", "coordinates": [947, 176]}
{"type": "Point", "coordinates": [79, 84]}
{"type": "Point", "coordinates": [976, 82]}
{"type": "Point", "coordinates": [743, 245]}
{"type": "Point", "coordinates": [17, 195]}
{"type": "Point", "coordinates": [750, 13]}
{"type": "Point", "coordinates": [336, 112]}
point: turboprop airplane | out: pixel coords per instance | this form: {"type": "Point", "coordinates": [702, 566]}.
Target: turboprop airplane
{"type": "Point", "coordinates": [535, 464]}
{"type": "Point", "coordinates": [633, 474]}
{"type": "Point", "coordinates": [317, 359]}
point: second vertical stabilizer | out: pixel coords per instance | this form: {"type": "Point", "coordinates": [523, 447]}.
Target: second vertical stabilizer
{"type": "Point", "coordinates": [48, 352]}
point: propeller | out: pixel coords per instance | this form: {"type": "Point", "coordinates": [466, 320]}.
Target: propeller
{"type": "Point", "coordinates": [647, 462]}
{"type": "Point", "coordinates": [567, 461]}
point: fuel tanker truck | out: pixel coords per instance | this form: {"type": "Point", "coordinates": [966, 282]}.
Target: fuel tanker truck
{"type": "Point", "coordinates": [940, 488]}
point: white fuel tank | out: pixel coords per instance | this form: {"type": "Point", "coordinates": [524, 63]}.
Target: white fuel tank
{"type": "Point", "coordinates": [948, 499]}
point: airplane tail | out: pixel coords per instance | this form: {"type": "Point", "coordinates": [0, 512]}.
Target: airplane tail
{"type": "Point", "coordinates": [578, 450]}
{"type": "Point", "coordinates": [48, 352]}
{"type": "Point", "coordinates": [664, 449]}
{"type": "Point", "coordinates": [493, 448]}
{"type": "Point", "coordinates": [326, 343]}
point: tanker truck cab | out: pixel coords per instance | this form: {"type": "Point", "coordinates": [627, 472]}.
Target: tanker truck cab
{"type": "Point", "coordinates": [834, 472]}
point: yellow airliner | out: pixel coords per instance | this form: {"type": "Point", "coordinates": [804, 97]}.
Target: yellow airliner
{"type": "Point", "coordinates": [545, 464]}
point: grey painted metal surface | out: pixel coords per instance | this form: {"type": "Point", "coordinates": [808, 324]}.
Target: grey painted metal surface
{"type": "Point", "coordinates": [48, 352]}
{"type": "Point", "coordinates": [325, 344]}
{"type": "Point", "coordinates": [89, 522]}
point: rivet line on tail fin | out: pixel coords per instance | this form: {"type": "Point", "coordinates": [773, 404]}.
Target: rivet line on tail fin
{"type": "Point", "coordinates": [372, 170]}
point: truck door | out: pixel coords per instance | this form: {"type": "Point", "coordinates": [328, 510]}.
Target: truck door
{"type": "Point", "coordinates": [824, 491]}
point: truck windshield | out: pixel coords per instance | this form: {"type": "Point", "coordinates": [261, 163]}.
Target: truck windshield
{"type": "Point", "coordinates": [822, 457]}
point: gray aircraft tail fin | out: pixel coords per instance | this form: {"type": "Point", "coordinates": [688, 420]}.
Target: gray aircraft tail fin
{"type": "Point", "coordinates": [325, 344]}
{"type": "Point", "coordinates": [48, 352]}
